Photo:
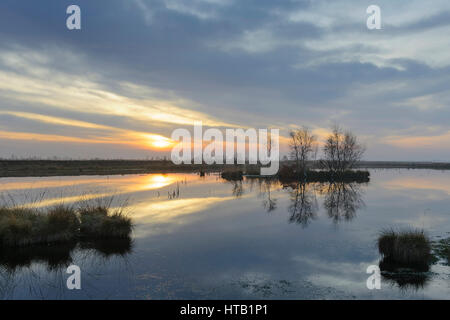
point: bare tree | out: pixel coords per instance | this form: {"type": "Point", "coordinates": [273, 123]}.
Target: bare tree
{"type": "Point", "coordinates": [341, 151]}
{"type": "Point", "coordinates": [303, 147]}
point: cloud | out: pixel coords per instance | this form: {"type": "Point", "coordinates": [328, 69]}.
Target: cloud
{"type": "Point", "coordinates": [426, 142]}
{"type": "Point", "coordinates": [153, 65]}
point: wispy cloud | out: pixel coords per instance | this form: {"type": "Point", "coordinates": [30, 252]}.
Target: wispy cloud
{"type": "Point", "coordinates": [149, 66]}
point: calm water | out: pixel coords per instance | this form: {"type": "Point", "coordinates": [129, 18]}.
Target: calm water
{"type": "Point", "coordinates": [206, 238]}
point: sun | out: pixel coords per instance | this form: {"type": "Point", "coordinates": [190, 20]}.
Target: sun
{"type": "Point", "coordinates": [161, 144]}
{"type": "Point", "coordinates": [158, 141]}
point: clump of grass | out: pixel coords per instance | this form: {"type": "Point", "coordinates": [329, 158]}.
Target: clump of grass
{"type": "Point", "coordinates": [19, 226]}
{"type": "Point", "coordinates": [22, 226]}
{"type": "Point", "coordinates": [62, 224]}
{"type": "Point", "coordinates": [100, 223]}
{"type": "Point", "coordinates": [405, 249]}
{"type": "Point", "coordinates": [98, 220]}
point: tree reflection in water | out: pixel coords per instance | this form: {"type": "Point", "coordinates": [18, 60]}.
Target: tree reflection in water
{"type": "Point", "coordinates": [269, 202]}
{"type": "Point", "coordinates": [342, 200]}
{"type": "Point", "coordinates": [238, 188]}
{"type": "Point", "coordinates": [304, 206]}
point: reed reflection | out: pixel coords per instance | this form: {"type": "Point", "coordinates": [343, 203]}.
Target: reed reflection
{"type": "Point", "coordinates": [61, 255]}
{"type": "Point", "coordinates": [53, 257]}
{"type": "Point", "coordinates": [22, 267]}
{"type": "Point", "coordinates": [407, 281]}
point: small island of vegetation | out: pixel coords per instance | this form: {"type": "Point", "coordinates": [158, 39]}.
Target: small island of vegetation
{"type": "Point", "coordinates": [341, 155]}
{"type": "Point", "coordinates": [23, 226]}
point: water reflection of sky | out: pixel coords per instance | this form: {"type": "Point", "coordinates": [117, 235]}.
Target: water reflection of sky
{"type": "Point", "coordinates": [203, 237]}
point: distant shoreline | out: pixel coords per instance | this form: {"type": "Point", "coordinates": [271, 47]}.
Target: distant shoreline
{"type": "Point", "coordinates": [46, 168]}
{"type": "Point", "coordinates": [404, 165]}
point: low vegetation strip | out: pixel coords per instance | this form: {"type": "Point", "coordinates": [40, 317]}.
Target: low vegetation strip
{"type": "Point", "coordinates": [289, 174]}
{"type": "Point", "coordinates": [47, 168]}
{"type": "Point", "coordinates": [44, 168]}
{"type": "Point", "coordinates": [21, 226]}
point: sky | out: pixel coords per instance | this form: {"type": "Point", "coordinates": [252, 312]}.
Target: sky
{"type": "Point", "coordinates": [138, 69]}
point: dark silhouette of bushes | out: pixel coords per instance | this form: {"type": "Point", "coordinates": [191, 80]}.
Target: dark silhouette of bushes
{"type": "Point", "coordinates": [232, 175]}
{"type": "Point", "coordinates": [288, 173]}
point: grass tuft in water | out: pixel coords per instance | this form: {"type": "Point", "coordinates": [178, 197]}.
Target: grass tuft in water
{"type": "Point", "coordinates": [99, 222]}
{"type": "Point", "coordinates": [405, 249]}
{"type": "Point", "coordinates": [22, 226]}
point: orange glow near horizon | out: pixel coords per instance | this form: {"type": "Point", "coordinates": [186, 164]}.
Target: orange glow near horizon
{"type": "Point", "coordinates": [137, 139]}
{"type": "Point", "coordinates": [160, 142]}
{"type": "Point", "coordinates": [434, 141]}
{"type": "Point", "coordinates": [111, 187]}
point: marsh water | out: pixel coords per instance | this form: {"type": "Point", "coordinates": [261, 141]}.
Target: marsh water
{"type": "Point", "coordinates": [207, 238]}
